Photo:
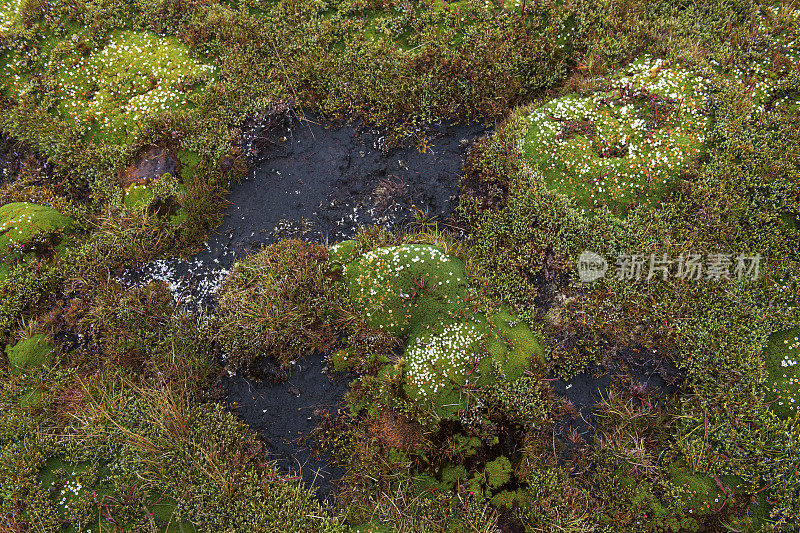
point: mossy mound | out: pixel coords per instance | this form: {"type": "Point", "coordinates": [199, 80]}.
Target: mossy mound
{"type": "Point", "coordinates": [79, 489]}
{"type": "Point", "coordinates": [449, 355]}
{"type": "Point", "coordinates": [699, 494]}
{"type": "Point", "coordinates": [9, 11]}
{"type": "Point", "coordinates": [108, 92]}
{"type": "Point", "coordinates": [400, 288]}
{"type": "Point", "coordinates": [27, 227]}
{"type": "Point", "coordinates": [782, 364]}
{"type": "Point", "coordinates": [160, 196]}
{"type": "Point", "coordinates": [74, 487]}
{"type": "Point", "coordinates": [439, 362]}
{"type": "Point", "coordinates": [138, 197]}
{"type": "Point", "coordinates": [419, 291]}
{"type": "Point", "coordinates": [512, 345]}
{"type": "Point", "coordinates": [30, 353]}
{"type": "Point", "coordinates": [622, 145]}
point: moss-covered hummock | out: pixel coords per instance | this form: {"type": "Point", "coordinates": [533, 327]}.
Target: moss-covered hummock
{"type": "Point", "coordinates": [107, 93]}
{"type": "Point", "coordinates": [401, 288]}
{"type": "Point", "coordinates": [419, 291]}
{"type": "Point", "coordinates": [30, 353]}
{"type": "Point", "coordinates": [699, 494]}
{"type": "Point", "coordinates": [623, 145]}
{"type": "Point", "coordinates": [9, 13]}
{"type": "Point", "coordinates": [27, 227]}
{"type": "Point", "coordinates": [783, 381]}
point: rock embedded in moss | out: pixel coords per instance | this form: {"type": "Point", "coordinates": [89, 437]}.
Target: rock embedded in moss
{"type": "Point", "coordinates": [623, 145]}
{"type": "Point", "coordinates": [27, 227]}
{"type": "Point", "coordinates": [150, 164]}
{"type": "Point", "coordinates": [29, 353]}
{"type": "Point", "coordinates": [783, 372]}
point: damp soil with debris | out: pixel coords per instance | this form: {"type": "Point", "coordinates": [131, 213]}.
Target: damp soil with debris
{"type": "Point", "coordinates": [286, 411]}
{"type": "Point", "coordinates": [320, 182]}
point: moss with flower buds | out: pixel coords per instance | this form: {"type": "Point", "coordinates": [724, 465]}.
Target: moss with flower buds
{"type": "Point", "coordinates": [9, 11]}
{"type": "Point", "coordinates": [782, 364]}
{"type": "Point", "coordinates": [27, 227]}
{"type": "Point", "coordinates": [622, 145]}
{"type": "Point", "coordinates": [401, 288]}
{"type": "Point", "coordinates": [107, 93]}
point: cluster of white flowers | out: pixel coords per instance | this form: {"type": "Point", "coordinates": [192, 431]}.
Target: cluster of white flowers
{"type": "Point", "coordinates": [644, 159]}
{"type": "Point", "coordinates": [115, 86]}
{"type": "Point", "coordinates": [436, 361]}
{"type": "Point", "coordinates": [788, 381]}
{"type": "Point", "coordinates": [383, 275]}
{"type": "Point", "coordinates": [8, 13]}
{"type": "Point", "coordinates": [793, 350]}
{"type": "Point", "coordinates": [71, 488]}
{"type": "Point", "coordinates": [758, 74]}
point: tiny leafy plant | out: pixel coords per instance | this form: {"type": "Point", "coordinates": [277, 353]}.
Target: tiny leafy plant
{"type": "Point", "coordinates": [30, 353]}
{"type": "Point", "coordinates": [27, 229]}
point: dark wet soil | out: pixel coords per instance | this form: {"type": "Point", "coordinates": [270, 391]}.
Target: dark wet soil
{"type": "Point", "coordinates": [285, 415]}
{"type": "Point", "coordinates": [321, 183]}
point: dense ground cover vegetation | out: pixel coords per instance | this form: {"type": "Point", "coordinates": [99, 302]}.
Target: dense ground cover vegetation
{"type": "Point", "coordinates": [660, 132]}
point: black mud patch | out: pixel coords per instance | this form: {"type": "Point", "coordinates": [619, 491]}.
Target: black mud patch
{"type": "Point", "coordinates": [646, 375]}
{"type": "Point", "coordinates": [321, 183]}
{"type": "Point", "coordinates": [285, 415]}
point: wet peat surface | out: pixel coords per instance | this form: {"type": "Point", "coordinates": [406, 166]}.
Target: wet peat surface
{"type": "Point", "coordinates": [320, 183]}
{"type": "Point", "coordinates": [323, 183]}
{"type": "Point", "coordinates": [285, 414]}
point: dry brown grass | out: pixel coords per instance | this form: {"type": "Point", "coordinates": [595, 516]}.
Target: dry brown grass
{"type": "Point", "coordinates": [393, 430]}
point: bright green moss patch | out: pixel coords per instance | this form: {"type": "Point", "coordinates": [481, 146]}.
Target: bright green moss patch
{"type": "Point", "coordinates": [449, 357]}
{"type": "Point", "coordinates": [623, 145]}
{"type": "Point", "coordinates": [109, 92]}
{"type": "Point", "coordinates": [30, 353]}
{"type": "Point", "coordinates": [138, 196]}
{"type": "Point", "coordinates": [512, 345]}
{"type": "Point", "coordinates": [698, 494]}
{"type": "Point", "coordinates": [399, 288]}
{"type": "Point", "coordinates": [75, 488]}
{"type": "Point", "coordinates": [27, 227]}
{"type": "Point", "coordinates": [9, 9]}
{"type": "Point", "coordinates": [782, 363]}
{"type": "Point", "coordinates": [438, 363]}
{"type": "Point", "coordinates": [419, 291]}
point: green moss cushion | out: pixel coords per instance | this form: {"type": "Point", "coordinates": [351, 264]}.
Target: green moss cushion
{"type": "Point", "coordinates": [9, 11]}
{"type": "Point", "coordinates": [439, 362]}
{"type": "Point", "coordinates": [450, 356]}
{"type": "Point", "coordinates": [783, 371]}
{"type": "Point", "coordinates": [512, 345]}
{"type": "Point", "coordinates": [622, 145]}
{"type": "Point", "coordinates": [24, 225]}
{"type": "Point", "coordinates": [400, 288]}
{"type": "Point", "coordinates": [30, 353]}
{"type": "Point", "coordinates": [699, 494]}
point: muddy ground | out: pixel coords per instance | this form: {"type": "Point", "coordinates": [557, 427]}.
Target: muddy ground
{"type": "Point", "coordinates": [321, 183]}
